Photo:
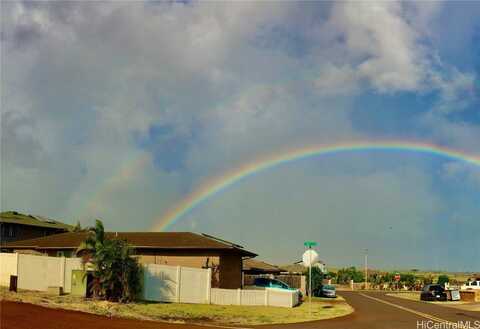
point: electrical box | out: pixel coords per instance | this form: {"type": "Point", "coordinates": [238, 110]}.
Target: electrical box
{"type": "Point", "coordinates": [79, 283]}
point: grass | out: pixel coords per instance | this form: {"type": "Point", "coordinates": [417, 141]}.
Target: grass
{"type": "Point", "coordinates": [190, 313]}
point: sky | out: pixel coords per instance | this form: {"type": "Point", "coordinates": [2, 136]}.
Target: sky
{"type": "Point", "coordinates": [119, 110]}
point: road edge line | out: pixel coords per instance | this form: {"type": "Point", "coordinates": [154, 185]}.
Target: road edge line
{"type": "Point", "coordinates": [424, 315]}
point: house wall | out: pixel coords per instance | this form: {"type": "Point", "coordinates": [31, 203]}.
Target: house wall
{"type": "Point", "coordinates": [226, 273]}
{"type": "Point", "coordinates": [24, 232]}
{"type": "Point", "coordinates": [230, 271]}
{"type": "Point", "coordinates": [188, 261]}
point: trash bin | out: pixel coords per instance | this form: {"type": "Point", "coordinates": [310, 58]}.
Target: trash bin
{"type": "Point", "coordinates": [13, 283]}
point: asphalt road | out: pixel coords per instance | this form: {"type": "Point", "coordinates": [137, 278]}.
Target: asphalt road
{"type": "Point", "coordinates": [376, 310]}
{"type": "Point", "coordinates": [372, 311]}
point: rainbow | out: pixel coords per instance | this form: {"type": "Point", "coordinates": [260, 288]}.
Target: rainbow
{"type": "Point", "coordinates": [120, 177]}
{"type": "Point", "coordinates": [218, 184]}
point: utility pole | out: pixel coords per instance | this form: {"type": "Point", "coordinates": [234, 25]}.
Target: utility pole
{"type": "Point", "coordinates": [366, 268]}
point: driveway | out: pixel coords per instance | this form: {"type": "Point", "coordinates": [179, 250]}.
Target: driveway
{"type": "Point", "coordinates": [372, 311]}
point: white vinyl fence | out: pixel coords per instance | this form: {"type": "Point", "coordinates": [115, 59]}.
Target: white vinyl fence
{"type": "Point", "coordinates": [267, 297]}
{"type": "Point", "coordinates": [165, 283]}
{"type": "Point", "coordinates": [38, 272]}
{"type": "Point", "coordinates": [8, 266]}
{"type": "Point", "coordinates": [161, 283]}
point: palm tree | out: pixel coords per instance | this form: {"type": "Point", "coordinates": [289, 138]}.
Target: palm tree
{"type": "Point", "coordinates": [116, 274]}
{"type": "Point", "coordinates": [92, 251]}
{"type": "Point", "coordinates": [95, 240]}
{"type": "Point", "coordinates": [77, 227]}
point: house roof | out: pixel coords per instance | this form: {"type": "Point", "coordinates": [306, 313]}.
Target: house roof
{"type": "Point", "coordinates": [13, 217]}
{"type": "Point", "coordinates": [260, 266]}
{"type": "Point", "coordinates": [139, 240]}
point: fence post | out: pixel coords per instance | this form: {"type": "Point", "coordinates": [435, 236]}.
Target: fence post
{"type": "Point", "coordinates": [18, 266]}
{"type": "Point", "coordinates": [62, 272]}
{"type": "Point", "coordinates": [209, 285]}
{"type": "Point", "coordinates": [179, 272]}
{"type": "Point", "coordinates": [266, 297]}
{"type": "Point", "coordinates": [239, 296]}
{"type": "Point", "coordinates": [17, 258]}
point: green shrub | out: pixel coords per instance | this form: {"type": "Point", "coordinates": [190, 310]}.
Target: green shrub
{"type": "Point", "coordinates": [442, 279]}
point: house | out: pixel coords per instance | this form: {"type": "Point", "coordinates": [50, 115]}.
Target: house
{"type": "Point", "coordinates": [322, 266]}
{"type": "Point", "coordinates": [256, 267]}
{"type": "Point", "coordinates": [298, 268]}
{"type": "Point", "coordinates": [15, 226]}
{"type": "Point", "coordinates": [168, 248]}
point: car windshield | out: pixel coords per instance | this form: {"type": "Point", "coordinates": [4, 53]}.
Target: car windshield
{"type": "Point", "coordinates": [279, 284]}
{"type": "Point", "coordinates": [328, 287]}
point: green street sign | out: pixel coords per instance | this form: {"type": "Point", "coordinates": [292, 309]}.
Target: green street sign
{"type": "Point", "coordinates": [309, 244]}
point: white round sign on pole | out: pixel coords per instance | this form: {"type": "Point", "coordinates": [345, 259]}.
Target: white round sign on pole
{"type": "Point", "coordinates": [309, 258]}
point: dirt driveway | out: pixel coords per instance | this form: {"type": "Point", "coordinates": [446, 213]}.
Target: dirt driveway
{"type": "Point", "coordinates": [373, 311]}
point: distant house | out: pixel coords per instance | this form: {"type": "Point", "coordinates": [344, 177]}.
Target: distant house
{"type": "Point", "coordinates": [169, 248]}
{"type": "Point", "coordinates": [298, 268]}
{"type": "Point", "coordinates": [15, 226]}
{"type": "Point", "coordinates": [256, 267]}
{"type": "Point", "coordinates": [322, 266]}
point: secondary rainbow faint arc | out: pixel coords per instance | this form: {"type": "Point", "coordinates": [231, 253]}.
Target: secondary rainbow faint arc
{"type": "Point", "coordinates": [217, 184]}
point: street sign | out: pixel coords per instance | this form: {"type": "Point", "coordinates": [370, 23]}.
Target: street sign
{"type": "Point", "coordinates": [310, 257]}
{"type": "Point", "coordinates": [309, 244]}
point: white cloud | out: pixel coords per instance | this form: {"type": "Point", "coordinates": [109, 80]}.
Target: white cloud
{"type": "Point", "coordinates": [378, 43]}
{"type": "Point", "coordinates": [236, 80]}
{"type": "Point", "coordinates": [456, 91]}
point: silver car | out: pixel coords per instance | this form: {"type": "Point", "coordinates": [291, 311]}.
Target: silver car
{"type": "Point", "coordinates": [328, 291]}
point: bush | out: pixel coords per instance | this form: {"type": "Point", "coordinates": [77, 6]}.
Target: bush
{"type": "Point", "coordinates": [317, 278]}
{"type": "Point", "coordinates": [442, 279]}
{"type": "Point", "coordinates": [345, 275]}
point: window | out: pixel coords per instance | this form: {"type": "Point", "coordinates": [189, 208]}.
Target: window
{"type": "Point", "coordinates": [261, 282]}
{"type": "Point", "coordinates": [11, 231]}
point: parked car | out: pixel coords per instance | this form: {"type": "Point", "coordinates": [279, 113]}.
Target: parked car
{"type": "Point", "coordinates": [472, 285]}
{"type": "Point", "coordinates": [433, 292]}
{"type": "Point", "coordinates": [328, 291]}
{"type": "Point", "coordinates": [262, 283]}
{"type": "Point", "coordinates": [271, 283]}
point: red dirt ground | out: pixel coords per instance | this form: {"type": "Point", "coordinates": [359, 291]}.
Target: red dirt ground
{"type": "Point", "coordinates": [27, 316]}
